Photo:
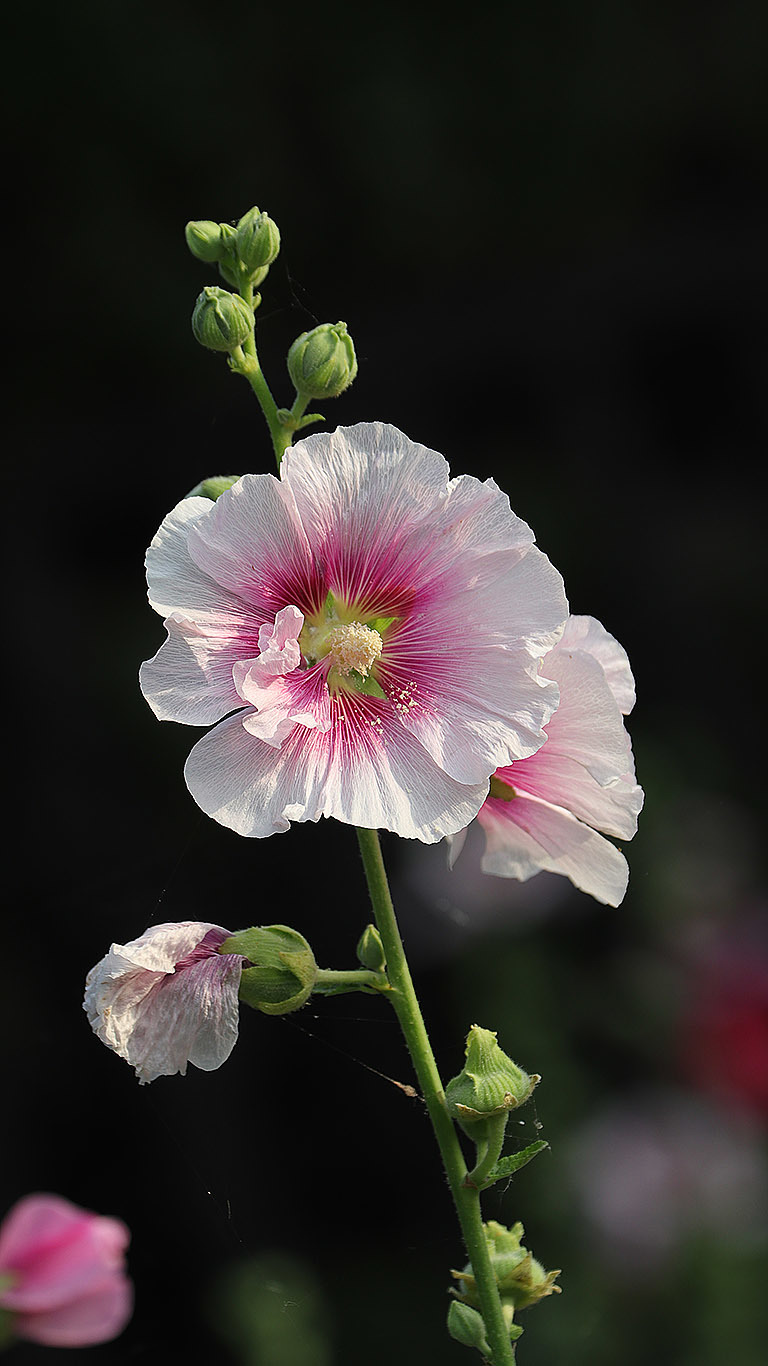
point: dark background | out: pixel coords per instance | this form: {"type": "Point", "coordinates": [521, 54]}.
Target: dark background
{"type": "Point", "coordinates": [546, 229]}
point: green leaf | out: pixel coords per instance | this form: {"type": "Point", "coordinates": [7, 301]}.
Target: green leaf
{"type": "Point", "coordinates": [380, 624]}
{"type": "Point", "coordinates": [506, 1166]}
{"type": "Point", "coordinates": [367, 685]}
{"type": "Point", "coordinates": [504, 792]}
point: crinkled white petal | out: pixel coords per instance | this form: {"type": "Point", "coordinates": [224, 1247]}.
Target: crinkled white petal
{"type": "Point", "coordinates": [382, 779]}
{"type": "Point", "coordinates": [546, 838]}
{"type": "Point", "coordinates": [589, 635]}
{"type": "Point", "coordinates": [190, 678]}
{"type": "Point", "coordinates": [158, 1018]}
{"type": "Point", "coordinates": [175, 582]}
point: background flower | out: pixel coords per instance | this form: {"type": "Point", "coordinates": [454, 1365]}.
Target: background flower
{"type": "Point", "coordinates": [167, 998]}
{"type": "Point", "coordinates": [546, 810]}
{"type": "Point", "coordinates": [374, 626]}
{"type": "Point", "coordinates": [62, 1273]}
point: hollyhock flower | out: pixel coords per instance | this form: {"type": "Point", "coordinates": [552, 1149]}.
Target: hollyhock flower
{"type": "Point", "coordinates": [167, 998]}
{"type": "Point", "coordinates": [543, 812]}
{"type": "Point", "coordinates": [62, 1273]}
{"type": "Point", "coordinates": [369, 630]}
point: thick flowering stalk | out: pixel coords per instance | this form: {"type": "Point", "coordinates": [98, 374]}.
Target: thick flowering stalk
{"type": "Point", "coordinates": [62, 1274]}
{"type": "Point", "coordinates": [365, 631]}
{"type": "Point", "coordinates": [544, 811]}
{"type": "Point", "coordinates": [167, 998]}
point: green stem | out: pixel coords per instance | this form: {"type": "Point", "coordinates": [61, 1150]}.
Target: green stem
{"type": "Point", "coordinates": [404, 1000]}
{"type": "Point", "coordinates": [244, 360]}
{"type": "Point", "coordinates": [489, 1151]}
{"type": "Point", "coordinates": [332, 980]}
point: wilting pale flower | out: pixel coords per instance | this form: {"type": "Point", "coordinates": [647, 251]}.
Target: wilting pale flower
{"type": "Point", "coordinates": [167, 998]}
{"type": "Point", "coordinates": [544, 811]}
{"type": "Point", "coordinates": [62, 1273]}
{"type": "Point", "coordinates": [374, 626]}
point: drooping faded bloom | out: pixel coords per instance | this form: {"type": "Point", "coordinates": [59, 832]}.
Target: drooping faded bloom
{"type": "Point", "coordinates": [366, 632]}
{"type": "Point", "coordinates": [543, 812]}
{"type": "Point", "coordinates": [167, 998]}
{"type": "Point", "coordinates": [62, 1273]}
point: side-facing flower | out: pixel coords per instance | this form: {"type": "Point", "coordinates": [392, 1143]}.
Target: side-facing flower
{"type": "Point", "coordinates": [62, 1273]}
{"type": "Point", "coordinates": [544, 811]}
{"type": "Point", "coordinates": [366, 632]}
{"type": "Point", "coordinates": [167, 998]}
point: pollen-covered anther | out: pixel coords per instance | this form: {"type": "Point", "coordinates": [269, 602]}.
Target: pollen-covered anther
{"type": "Point", "coordinates": [354, 646]}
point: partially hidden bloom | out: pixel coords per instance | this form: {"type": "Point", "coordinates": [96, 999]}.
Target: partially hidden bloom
{"type": "Point", "coordinates": [167, 998]}
{"type": "Point", "coordinates": [365, 631]}
{"type": "Point", "coordinates": [62, 1273]}
{"type": "Point", "coordinates": [544, 811]}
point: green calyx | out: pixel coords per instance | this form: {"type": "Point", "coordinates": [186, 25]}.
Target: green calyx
{"type": "Point", "coordinates": [221, 321]}
{"type": "Point", "coordinates": [322, 363]}
{"type": "Point", "coordinates": [522, 1281]}
{"type": "Point", "coordinates": [282, 971]}
{"type": "Point", "coordinates": [489, 1085]}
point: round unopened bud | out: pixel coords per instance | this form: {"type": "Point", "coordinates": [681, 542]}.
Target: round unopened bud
{"type": "Point", "coordinates": [489, 1084]}
{"type": "Point", "coordinates": [467, 1327]}
{"type": "Point", "coordinates": [283, 970]}
{"type": "Point", "coordinates": [204, 239]}
{"type": "Point", "coordinates": [322, 363]}
{"type": "Point", "coordinates": [370, 950]}
{"type": "Point", "coordinates": [258, 240]}
{"type": "Point", "coordinates": [221, 321]}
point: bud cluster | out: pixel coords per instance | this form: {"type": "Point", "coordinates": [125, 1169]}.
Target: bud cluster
{"type": "Point", "coordinates": [243, 253]}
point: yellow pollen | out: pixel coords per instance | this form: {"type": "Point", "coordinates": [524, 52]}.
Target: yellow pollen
{"type": "Point", "coordinates": [354, 646]}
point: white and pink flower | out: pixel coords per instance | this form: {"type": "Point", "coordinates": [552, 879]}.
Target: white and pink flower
{"type": "Point", "coordinates": [167, 998]}
{"type": "Point", "coordinates": [544, 811]}
{"type": "Point", "coordinates": [365, 631]}
{"type": "Point", "coordinates": [62, 1273]}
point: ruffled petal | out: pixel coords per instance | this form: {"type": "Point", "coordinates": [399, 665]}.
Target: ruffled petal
{"type": "Point", "coordinates": [190, 678]}
{"type": "Point", "coordinates": [167, 998]}
{"type": "Point", "coordinates": [527, 836]}
{"type": "Point", "coordinates": [365, 770]}
{"type": "Point", "coordinates": [176, 583]}
{"type": "Point", "coordinates": [589, 635]}
{"type": "Point", "coordinates": [252, 543]}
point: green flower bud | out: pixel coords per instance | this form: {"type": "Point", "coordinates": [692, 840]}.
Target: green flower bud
{"type": "Point", "coordinates": [322, 363]}
{"type": "Point", "coordinates": [370, 950]}
{"type": "Point", "coordinates": [466, 1326]}
{"type": "Point", "coordinates": [221, 321]}
{"type": "Point", "coordinates": [489, 1084]}
{"type": "Point", "coordinates": [214, 487]}
{"type": "Point", "coordinates": [522, 1280]}
{"type": "Point", "coordinates": [258, 240]}
{"type": "Point", "coordinates": [283, 970]}
{"type": "Point", "coordinates": [204, 239]}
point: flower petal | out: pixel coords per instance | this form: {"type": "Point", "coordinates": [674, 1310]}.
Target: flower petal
{"type": "Point", "coordinates": [588, 634]}
{"type": "Point", "coordinates": [190, 678]}
{"type": "Point", "coordinates": [158, 1011]}
{"type": "Point", "coordinates": [365, 770]}
{"type": "Point", "coordinates": [527, 836]}
{"type": "Point", "coordinates": [252, 543]}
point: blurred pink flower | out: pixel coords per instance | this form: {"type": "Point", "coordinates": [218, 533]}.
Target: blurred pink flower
{"type": "Point", "coordinates": [552, 804]}
{"type": "Point", "coordinates": [167, 998]}
{"type": "Point", "coordinates": [62, 1273]}
{"type": "Point", "coordinates": [658, 1167]}
{"type": "Point", "coordinates": [375, 628]}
